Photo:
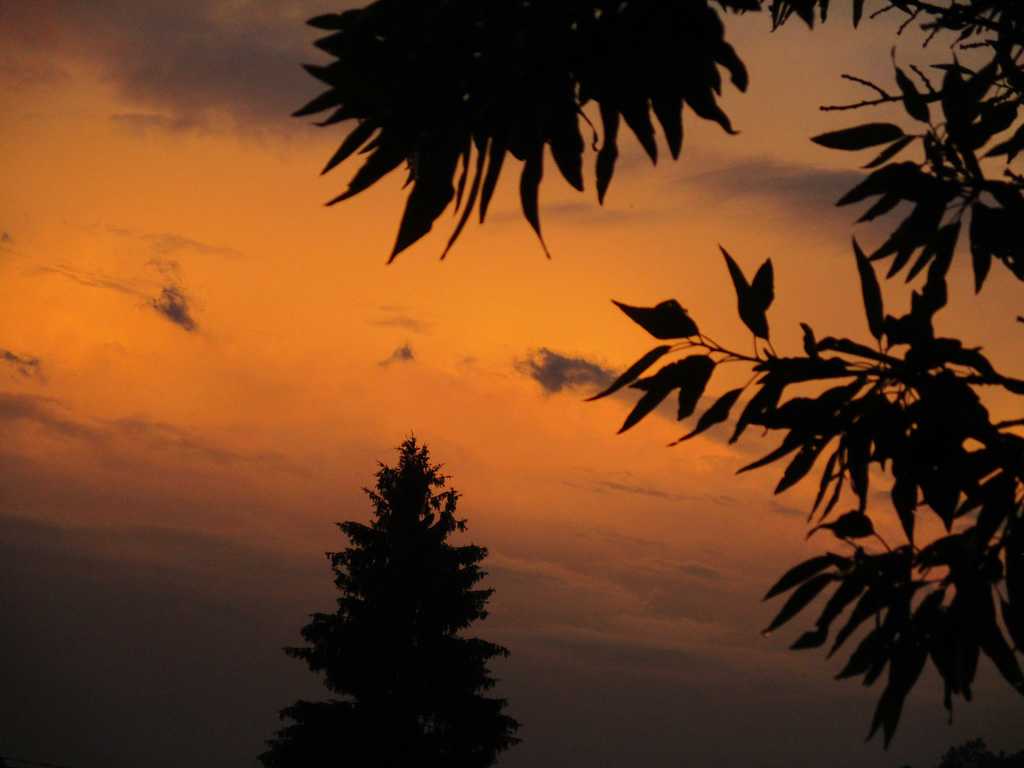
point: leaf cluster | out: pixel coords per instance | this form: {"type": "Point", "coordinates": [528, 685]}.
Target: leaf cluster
{"type": "Point", "coordinates": [949, 185]}
{"type": "Point", "coordinates": [451, 88]}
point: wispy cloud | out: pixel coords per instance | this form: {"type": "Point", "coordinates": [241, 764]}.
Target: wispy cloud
{"type": "Point", "coordinates": [172, 302]}
{"type": "Point", "coordinates": [401, 355]}
{"type": "Point", "coordinates": [555, 371]}
{"type": "Point", "coordinates": [90, 279]}
{"type": "Point", "coordinates": [139, 123]}
{"type": "Point", "coordinates": [17, 74]}
{"type": "Point", "coordinates": [597, 483]}
{"type": "Point", "coordinates": [789, 185]}
{"type": "Point", "coordinates": [165, 243]}
{"type": "Point", "coordinates": [26, 365]}
{"type": "Point", "coordinates": [56, 417]}
{"type": "Point", "coordinates": [47, 412]}
{"type": "Point", "coordinates": [400, 317]}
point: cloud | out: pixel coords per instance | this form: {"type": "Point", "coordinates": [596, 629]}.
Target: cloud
{"type": "Point", "coordinates": [55, 418]}
{"type": "Point", "coordinates": [640, 490]}
{"type": "Point", "coordinates": [27, 365]}
{"type": "Point", "coordinates": [166, 243]}
{"type": "Point", "coordinates": [401, 355]}
{"type": "Point", "coordinates": [19, 75]}
{"type": "Point", "coordinates": [555, 372]}
{"type": "Point", "coordinates": [595, 483]}
{"type": "Point", "coordinates": [168, 267]}
{"type": "Point", "coordinates": [139, 123]}
{"type": "Point", "coordinates": [46, 412]}
{"type": "Point", "coordinates": [399, 317]}
{"type": "Point", "coordinates": [91, 279]}
{"type": "Point", "coordinates": [794, 186]}
{"type": "Point", "coordinates": [188, 63]}
{"type": "Point", "coordinates": [173, 304]}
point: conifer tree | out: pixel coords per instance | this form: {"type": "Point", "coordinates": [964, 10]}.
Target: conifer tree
{"type": "Point", "coordinates": [412, 685]}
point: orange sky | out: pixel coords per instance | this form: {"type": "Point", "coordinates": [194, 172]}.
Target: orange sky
{"type": "Point", "coordinates": [170, 471]}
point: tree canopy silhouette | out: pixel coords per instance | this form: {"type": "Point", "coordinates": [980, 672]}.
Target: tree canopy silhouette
{"type": "Point", "coordinates": [413, 685]}
{"type": "Point", "coordinates": [451, 87]}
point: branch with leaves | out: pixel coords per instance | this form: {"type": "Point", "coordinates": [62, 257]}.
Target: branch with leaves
{"type": "Point", "coordinates": [906, 411]}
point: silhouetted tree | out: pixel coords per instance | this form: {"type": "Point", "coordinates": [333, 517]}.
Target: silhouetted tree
{"type": "Point", "coordinates": [452, 86]}
{"type": "Point", "coordinates": [413, 685]}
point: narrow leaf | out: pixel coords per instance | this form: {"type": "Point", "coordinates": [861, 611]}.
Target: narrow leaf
{"type": "Point", "coordinates": [763, 288]}
{"type": "Point", "coordinates": [633, 371]}
{"type": "Point", "coordinates": [860, 136]}
{"type": "Point", "coordinates": [359, 135]}
{"type": "Point", "coordinates": [430, 195]}
{"type": "Point", "coordinates": [800, 573]}
{"type": "Point", "coordinates": [751, 311]}
{"type": "Point", "coordinates": [695, 371]}
{"type": "Point", "coordinates": [326, 100]}
{"type": "Point", "coordinates": [891, 151]}
{"type": "Point", "coordinates": [871, 292]}
{"type": "Point", "coordinates": [716, 414]}
{"type": "Point", "coordinates": [799, 466]}
{"type": "Point", "coordinates": [806, 592]}
{"type": "Point", "coordinates": [529, 184]}
{"type": "Point", "coordinates": [609, 150]}
{"type": "Point", "coordinates": [668, 109]}
{"type": "Point", "coordinates": [495, 158]}
{"type": "Point", "coordinates": [656, 388]}
{"type": "Point", "coordinates": [473, 190]}
{"type": "Point", "coordinates": [913, 101]}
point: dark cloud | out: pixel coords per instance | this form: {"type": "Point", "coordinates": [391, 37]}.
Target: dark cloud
{"type": "Point", "coordinates": [401, 355]}
{"type": "Point", "coordinates": [50, 414]}
{"type": "Point", "coordinates": [173, 304]}
{"type": "Point", "coordinates": [189, 63]}
{"type": "Point", "coordinates": [555, 372]}
{"type": "Point", "coordinates": [26, 365]}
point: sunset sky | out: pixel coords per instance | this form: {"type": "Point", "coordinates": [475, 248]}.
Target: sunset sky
{"type": "Point", "coordinates": [201, 364]}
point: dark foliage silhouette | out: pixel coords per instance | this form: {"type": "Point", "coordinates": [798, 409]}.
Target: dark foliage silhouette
{"type": "Point", "coordinates": [975, 754]}
{"type": "Point", "coordinates": [457, 85]}
{"type": "Point", "coordinates": [905, 413]}
{"type": "Point", "coordinates": [451, 87]}
{"type": "Point", "coordinates": [413, 685]}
